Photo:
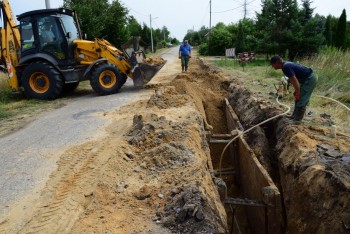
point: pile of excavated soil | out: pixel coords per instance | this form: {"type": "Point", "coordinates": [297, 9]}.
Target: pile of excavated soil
{"type": "Point", "coordinates": [154, 60]}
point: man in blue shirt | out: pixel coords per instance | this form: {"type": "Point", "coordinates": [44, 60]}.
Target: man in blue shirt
{"type": "Point", "coordinates": [304, 81]}
{"type": "Point", "coordinates": [185, 55]}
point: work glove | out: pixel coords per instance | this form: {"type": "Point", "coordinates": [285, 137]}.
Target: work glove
{"type": "Point", "coordinates": [296, 96]}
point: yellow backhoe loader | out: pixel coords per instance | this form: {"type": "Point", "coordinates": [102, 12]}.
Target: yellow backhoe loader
{"type": "Point", "coordinates": [45, 55]}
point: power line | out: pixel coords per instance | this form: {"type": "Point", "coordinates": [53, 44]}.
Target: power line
{"type": "Point", "coordinates": [130, 9]}
{"type": "Point", "coordinates": [244, 4]}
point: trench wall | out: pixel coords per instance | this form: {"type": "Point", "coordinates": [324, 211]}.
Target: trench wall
{"type": "Point", "coordinates": [254, 182]}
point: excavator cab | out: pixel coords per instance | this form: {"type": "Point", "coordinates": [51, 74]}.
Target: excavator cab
{"type": "Point", "coordinates": [49, 32]}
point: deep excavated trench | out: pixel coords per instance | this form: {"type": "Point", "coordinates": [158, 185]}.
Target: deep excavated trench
{"type": "Point", "coordinates": [271, 180]}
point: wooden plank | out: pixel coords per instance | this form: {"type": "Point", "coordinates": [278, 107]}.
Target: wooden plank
{"type": "Point", "coordinates": [255, 183]}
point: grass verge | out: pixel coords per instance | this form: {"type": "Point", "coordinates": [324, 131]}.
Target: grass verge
{"type": "Point", "coordinates": [332, 67]}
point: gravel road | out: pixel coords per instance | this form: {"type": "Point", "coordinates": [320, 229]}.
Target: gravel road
{"type": "Point", "coordinates": [28, 156]}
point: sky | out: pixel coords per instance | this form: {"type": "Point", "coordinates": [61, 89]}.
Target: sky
{"type": "Point", "coordinates": [179, 16]}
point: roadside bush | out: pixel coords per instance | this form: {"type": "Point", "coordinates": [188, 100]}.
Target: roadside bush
{"type": "Point", "coordinates": [203, 49]}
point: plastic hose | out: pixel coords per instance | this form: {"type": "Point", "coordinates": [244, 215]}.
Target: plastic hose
{"type": "Point", "coordinates": [334, 101]}
{"type": "Point", "coordinates": [240, 133]}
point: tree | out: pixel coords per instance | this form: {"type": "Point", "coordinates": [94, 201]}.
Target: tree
{"type": "Point", "coordinates": [306, 11]}
{"type": "Point", "coordinates": [115, 28]}
{"type": "Point", "coordinates": [328, 31]}
{"type": "Point", "coordinates": [340, 34]}
{"type": "Point", "coordinates": [134, 27]}
{"type": "Point", "coordinates": [281, 27]}
{"type": "Point", "coordinates": [165, 33]}
{"type": "Point", "coordinates": [220, 38]}
{"type": "Point", "coordinates": [103, 20]}
{"type": "Point", "coordinates": [240, 43]}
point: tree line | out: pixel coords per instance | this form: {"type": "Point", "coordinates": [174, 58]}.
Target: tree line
{"type": "Point", "coordinates": [111, 21]}
{"type": "Point", "coordinates": [282, 27]}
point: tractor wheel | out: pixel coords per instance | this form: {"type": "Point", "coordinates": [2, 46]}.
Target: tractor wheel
{"type": "Point", "coordinates": [123, 79]}
{"type": "Point", "coordinates": [40, 80]}
{"type": "Point", "coordinates": [106, 79]}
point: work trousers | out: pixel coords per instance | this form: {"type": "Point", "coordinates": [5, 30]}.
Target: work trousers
{"type": "Point", "coordinates": [306, 89]}
{"type": "Point", "coordinates": [184, 61]}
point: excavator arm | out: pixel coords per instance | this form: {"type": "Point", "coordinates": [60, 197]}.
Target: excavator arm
{"type": "Point", "coordinates": [133, 66]}
{"type": "Point", "coordinates": [88, 52]}
{"type": "Point", "coordinates": [10, 44]}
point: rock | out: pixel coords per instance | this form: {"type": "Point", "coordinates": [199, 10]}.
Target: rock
{"type": "Point", "coordinates": [130, 155]}
{"type": "Point", "coordinates": [137, 169]}
{"type": "Point", "coordinates": [333, 153]}
{"type": "Point", "coordinates": [199, 215]}
{"type": "Point", "coordinates": [325, 146]}
{"type": "Point", "coordinates": [143, 193]}
{"type": "Point", "coordinates": [160, 196]}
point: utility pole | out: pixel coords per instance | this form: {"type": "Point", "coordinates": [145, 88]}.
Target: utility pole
{"type": "Point", "coordinates": [47, 2]}
{"type": "Point", "coordinates": [209, 25]}
{"type": "Point", "coordinates": [210, 16]}
{"type": "Point", "coordinates": [245, 9]}
{"type": "Point", "coordinates": [150, 24]}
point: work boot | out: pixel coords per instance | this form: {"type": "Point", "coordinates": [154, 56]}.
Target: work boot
{"type": "Point", "coordinates": [299, 115]}
{"type": "Point", "coordinates": [294, 111]}
{"type": "Point", "coordinates": [183, 68]}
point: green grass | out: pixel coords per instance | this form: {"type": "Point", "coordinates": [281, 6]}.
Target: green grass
{"type": "Point", "coordinates": [12, 104]}
{"type": "Point", "coordinates": [332, 67]}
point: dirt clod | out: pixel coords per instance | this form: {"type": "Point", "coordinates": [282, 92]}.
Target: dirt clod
{"type": "Point", "coordinates": [154, 60]}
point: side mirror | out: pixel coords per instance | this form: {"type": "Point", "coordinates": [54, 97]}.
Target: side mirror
{"type": "Point", "coordinates": [69, 35]}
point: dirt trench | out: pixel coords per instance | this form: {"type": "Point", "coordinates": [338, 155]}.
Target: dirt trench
{"type": "Point", "coordinates": [155, 171]}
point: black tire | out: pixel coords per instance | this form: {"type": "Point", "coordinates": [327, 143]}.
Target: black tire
{"type": "Point", "coordinates": [123, 79]}
{"type": "Point", "coordinates": [70, 87]}
{"type": "Point", "coordinates": [41, 80]}
{"type": "Point", "coordinates": [106, 79]}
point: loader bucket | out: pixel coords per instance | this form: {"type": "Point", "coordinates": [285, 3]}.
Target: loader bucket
{"type": "Point", "coordinates": [143, 73]}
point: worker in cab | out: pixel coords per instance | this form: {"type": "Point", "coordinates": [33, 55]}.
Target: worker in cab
{"type": "Point", "coordinates": [304, 81]}
{"type": "Point", "coordinates": [47, 35]}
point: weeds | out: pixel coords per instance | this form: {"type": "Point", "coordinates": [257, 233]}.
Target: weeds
{"type": "Point", "coordinates": [333, 69]}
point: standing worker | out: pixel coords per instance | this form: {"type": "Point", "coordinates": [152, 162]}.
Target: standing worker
{"type": "Point", "coordinates": [185, 55]}
{"type": "Point", "coordinates": [303, 79]}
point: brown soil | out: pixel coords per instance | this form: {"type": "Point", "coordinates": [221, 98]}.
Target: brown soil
{"type": "Point", "coordinates": [154, 60]}
{"type": "Point", "coordinates": [153, 171]}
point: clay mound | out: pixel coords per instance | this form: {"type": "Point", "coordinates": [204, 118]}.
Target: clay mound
{"type": "Point", "coordinates": [154, 61]}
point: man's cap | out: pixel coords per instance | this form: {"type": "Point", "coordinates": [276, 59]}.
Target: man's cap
{"type": "Point", "coordinates": [185, 41]}
{"type": "Point", "coordinates": [275, 59]}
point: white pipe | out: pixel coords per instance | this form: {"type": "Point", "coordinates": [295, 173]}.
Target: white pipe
{"type": "Point", "coordinates": [334, 101]}
{"type": "Point", "coordinates": [248, 130]}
